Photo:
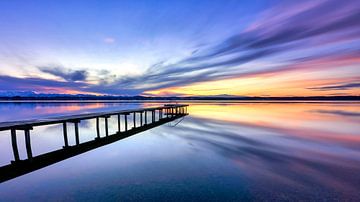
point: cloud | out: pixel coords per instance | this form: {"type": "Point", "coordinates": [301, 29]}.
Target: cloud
{"type": "Point", "coordinates": [291, 28]}
{"type": "Point", "coordinates": [346, 86]}
{"type": "Point", "coordinates": [9, 83]}
{"type": "Point", "coordinates": [37, 84]}
{"type": "Point", "coordinates": [109, 40]}
{"type": "Point", "coordinates": [66, 74]}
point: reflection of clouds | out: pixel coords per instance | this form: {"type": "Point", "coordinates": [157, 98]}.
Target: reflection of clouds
{"type": "Point", "coordinates": [339, 112]}
{"type": "Point", "coordinates": [275, 155]}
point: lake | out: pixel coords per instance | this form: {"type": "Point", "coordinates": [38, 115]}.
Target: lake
{"type": "Point", "coordinates": [221, 151]}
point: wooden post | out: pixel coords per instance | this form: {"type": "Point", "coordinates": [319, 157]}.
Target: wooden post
{"type": "Point", "coordinates": [28, 143]}
{"type": "Point", "coordinates": [14, 145]}
{"type": "Point", "coordinates": [126, 125]}
{"type": "Point", "coordinates": [97, 127]}
{"type": "Point", "coordinates": [152, 116]}
{"type": "Point", "coordinates": [77, 139]}
{"type": "Point", "coordinates": [145, 117]}
{"type": "Point", "coordinates": [106, 126]}
{"type": "Point", "coordinates": [66, 142]}
{"type": "Point", "coordinates": [141, 118]}
{"type": "Point", "coordinates": [134, 119]}
{"type": "Point", "coordinates": [118, 116]}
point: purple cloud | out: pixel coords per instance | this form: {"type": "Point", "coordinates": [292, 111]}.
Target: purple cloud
{"type": "Point", "coordinates": [345, 86]}
{"type": "Point", "coordinates": [66, 74]}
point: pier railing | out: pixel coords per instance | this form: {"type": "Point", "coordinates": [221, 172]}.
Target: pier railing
{"type": "Point", "coordinates": [18, 167]}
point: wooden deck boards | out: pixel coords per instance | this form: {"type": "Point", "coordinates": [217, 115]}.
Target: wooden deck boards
{"type": "Point", "coordinates": [73, 118]}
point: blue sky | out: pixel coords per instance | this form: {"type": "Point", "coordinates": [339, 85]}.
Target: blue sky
{"type": "Point", "coordinates": [174, 47]}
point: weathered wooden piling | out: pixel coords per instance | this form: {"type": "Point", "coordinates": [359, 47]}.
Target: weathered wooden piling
{"type": "Point", "coordinates": [118, 122]}
{"type": "Point", "coordinates": [14, 144]}
{"type": "Point", "coordinates": [126, 121]}
{"type": "Point", "coordinates": [28, 143]}
{"type": "Point", "coordinates": [66, 142]}
{"type": "Point", "coordinates": [76, 127]}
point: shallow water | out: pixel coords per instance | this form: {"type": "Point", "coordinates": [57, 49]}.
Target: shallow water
{"type": "Point", "coordinates": [221, 151]}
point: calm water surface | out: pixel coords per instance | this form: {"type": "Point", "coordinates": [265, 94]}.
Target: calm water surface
{"type": "Point", "coordinates": [221, 151]}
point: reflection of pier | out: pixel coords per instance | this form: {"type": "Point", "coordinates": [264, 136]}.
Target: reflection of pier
{"type": "Point", "coordinates": [158, 116]}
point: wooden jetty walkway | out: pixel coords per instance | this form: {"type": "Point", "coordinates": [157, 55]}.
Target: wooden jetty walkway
{"type": "Point", "coordinates": [18, 167]}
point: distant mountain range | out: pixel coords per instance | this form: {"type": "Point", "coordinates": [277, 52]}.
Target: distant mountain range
{"type": "Point", "coordinates": [30, 95]}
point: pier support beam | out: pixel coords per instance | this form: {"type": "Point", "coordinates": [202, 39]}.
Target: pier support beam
{"type": "Point", "coordinates": [126, 124]}
{"type": "Point", "coordinates": [97, 127]}
{"type": "Point", "coordinates": [66, 142]}
{"type": "Point", "coordinates": [106, 126]}
{"type": "Point", "coordinates": [145, 117]}
{"type": "Point", "coordinates": [118, 122]}
{"type": "Point", "coordinates": [134, 119]}
{"type": "Point", "coordinates": [14, 145]}
{"type": "Point", "coordinates": [152, 116]}
{"type": "Point", "coordinates": [28, 143]}
{"type": "Point", "coordinates": [76, 126]}
{"type": "Point", "coordinates": [141, 118]}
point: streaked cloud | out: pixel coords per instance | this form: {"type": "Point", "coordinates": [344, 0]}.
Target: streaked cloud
{"type": "Point", "coordinates": [269, 41]}
{"type": "Point", "coordinates": [66, 74]}
{"type": "Point", "coordinates": [345, 86]}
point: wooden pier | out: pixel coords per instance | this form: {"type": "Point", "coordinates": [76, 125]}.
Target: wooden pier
{"type": "Point", "coordinates": [18, 167]}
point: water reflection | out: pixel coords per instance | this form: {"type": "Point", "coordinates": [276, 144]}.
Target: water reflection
{"type": "Point", "coordinates": [243, 151]}
{"type": "Point", "coordinates": [33, 110]}
{"type": "Point", "coordinates": [283, 145]}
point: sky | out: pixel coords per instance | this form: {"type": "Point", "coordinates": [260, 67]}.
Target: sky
{"type": "Point", "coordinates": [180, 48]}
